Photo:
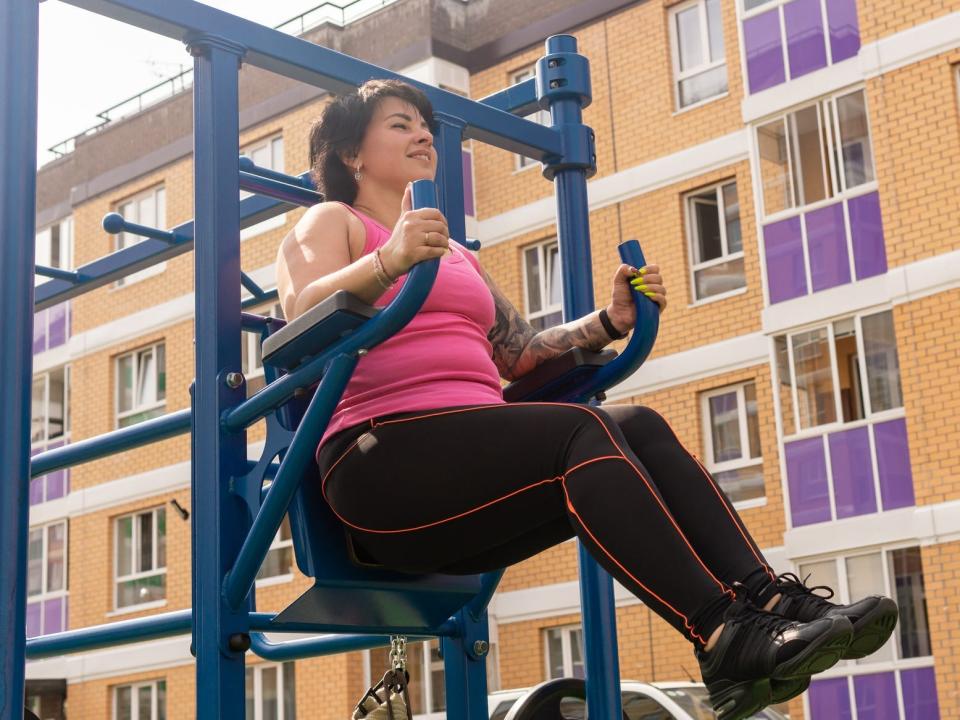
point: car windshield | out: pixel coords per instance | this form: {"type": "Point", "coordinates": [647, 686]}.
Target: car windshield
{"type": "Point", "coordinates": [695, 700]}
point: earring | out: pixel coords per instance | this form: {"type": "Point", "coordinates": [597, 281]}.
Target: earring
{"type": "Point", "coordinates": [357, 175]}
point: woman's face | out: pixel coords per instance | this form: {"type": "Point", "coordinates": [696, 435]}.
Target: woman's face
{"type": "Point", "coordinates": [398, 146]}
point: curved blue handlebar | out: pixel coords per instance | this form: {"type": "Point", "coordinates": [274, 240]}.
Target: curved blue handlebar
{"type": "Point", "coordinates": [642, 340]}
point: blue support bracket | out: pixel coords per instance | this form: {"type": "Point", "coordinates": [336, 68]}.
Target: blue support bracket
{"type": "Point", "coordinates": [69, 276]}
{"type": "Point", "coordinates": [248, 166]}
{"type": "Point", "coordinates": [295, 194]}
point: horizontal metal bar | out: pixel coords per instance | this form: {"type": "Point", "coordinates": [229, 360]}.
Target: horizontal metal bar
{"type": "Point", "coordinates": [317, 647]}
{"type": "Point", "coordinates": [247, 165]}
{"type": "Point", "coordinates": [251, 286]}
{"type": "Point", "coordinates": [257, 300]}
{"type": "Point", "coordinates": [148, 252]}
{"type": "Point", "coordinates": [293, 194]}
{"type": "Point", "coordinates": [115, 223]}
{"type": "Point", "coordinates": [265, 622]}
{"type": "Point", "coordinates": [519, 99]}
{"type": "Point", "coordinates": [52, 272]}
{"type": "Point", "coordinates": [143, 433]}
{"type": "Point", "coordinates": [324, 68]}
{"type": "Point", "coordinates": [115, 633]}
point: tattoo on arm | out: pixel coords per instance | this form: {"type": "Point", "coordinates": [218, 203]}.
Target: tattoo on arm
{"type": "Point", "coordinates": [518, 347]}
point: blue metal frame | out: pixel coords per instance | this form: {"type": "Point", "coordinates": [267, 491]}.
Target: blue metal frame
{"type": "Point", "coordinates": [234, 519]}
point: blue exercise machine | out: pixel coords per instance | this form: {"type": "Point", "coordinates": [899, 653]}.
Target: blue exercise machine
{"type": "Point", "coordinates": [238, 505]}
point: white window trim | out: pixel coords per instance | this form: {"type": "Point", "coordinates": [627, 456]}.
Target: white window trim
{"type": "Point", "coordinates": [743, 462]}
{"type": "Point", "coordinates": [681, 75]}
{"type": "Point", "coordinates": [566, 634]}
{"type": "Point", "coordinates": [277, 544]}
{"type": "Point", "coordinates": [152, 270]}
{"type": "Point", "coordinates": [257, 671]}
{"type": "Point", "coordinates": [778, 5]}
{"type": "Point", "coordinates": [542, 117]}
{"type": "Point", "coordinates": [542, 248]}
{"type": "Point", "coordinates": [837, 173]}
{"type": "Point", "coordinates": [252, 341]}
{"type": "Point", "coordinates": [117, 414]}
{"type": "Point", "coordinates": [134, 706]}
{"type": "Point", "coordinates": [276, 221]}
{"type": "Point", "coordinates": [766, 7]}
{"type": "Point", "coordinates": [726, 256]}
{"type": "Point", "coordinates": [65, 437]}
{"type": "Point", "coordinates": [45, 235]}
{"type": "Point", "coordinates": [117, 578]}
{"type": "Point", "coordinates": [45, 593]}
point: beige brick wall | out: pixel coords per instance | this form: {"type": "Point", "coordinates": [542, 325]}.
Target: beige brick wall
{"type": "Point", "coordinates": [880, 18]}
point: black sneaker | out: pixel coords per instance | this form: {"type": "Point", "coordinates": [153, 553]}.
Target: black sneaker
{"type": "Point", "coordinates": [873, 618]}
{"type": "Point", "coordinates": [757, 647]}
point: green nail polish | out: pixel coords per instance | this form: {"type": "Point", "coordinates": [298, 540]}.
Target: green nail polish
{"type": "Point", "coordinates": [643, 287]}
{"type": "Point", "coordinates": [649, 294]}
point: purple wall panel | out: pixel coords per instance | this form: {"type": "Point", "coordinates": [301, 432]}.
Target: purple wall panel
{"type": "Point", "coordinates": [893, 464]}
{"type": "Point", "coordinates": [829, 700]}
{"type": "Point", "coordinates": [852, 470]}
{"type": "Point", "coordinates": [56, 485]}
{"type": "Point", "coordinates": [39, 332]}
{"type": "Point", "coordinates": [53, 616]}
{"type": "Point", "coordinates": [866, 231]}
{"type": "Point", "coordinates": [807, 480]}
{"type": "Point", "coordinates": [764, 49]}
{"type": "Point", "coordinates": [827, 245]}
{"type": "Point", "coordinates": [920, 694]}
{"type": "Point", "coordinates": [876, 697]}
{"type": "Point", "coordinates": [33, 618]}
{"type": "Point", "coordinates": [57, 333]}
{"type": "Point", "coordinates": [844, 29]}
{"type": "Point", "coordinates": [467, 163]}
{"type": "Point", "coordinates": [36, 490]}
{"type": "Point", "coordinates": [783, 245]}
{"type": "Point", "coordinates": [806, 47]}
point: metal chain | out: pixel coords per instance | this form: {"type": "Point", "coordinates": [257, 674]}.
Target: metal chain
{"type": "Point", "coordinates": [398, 652]}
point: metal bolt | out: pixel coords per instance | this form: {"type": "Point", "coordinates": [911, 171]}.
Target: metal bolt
{"type": "Point", "coordinates": [361, 352]}
{"type": "Point", "coordinates": [234, 380]}
{"type": "Point", "coordinates": [239, 642]}
{"type": "Point", "coordinates": [480, 648]}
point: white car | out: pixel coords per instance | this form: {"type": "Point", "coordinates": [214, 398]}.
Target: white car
{"type": "Point", "coordinates": [641, 701]}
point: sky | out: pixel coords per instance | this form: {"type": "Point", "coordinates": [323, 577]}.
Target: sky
{"type": "Point", "coordinates": [89, 62]}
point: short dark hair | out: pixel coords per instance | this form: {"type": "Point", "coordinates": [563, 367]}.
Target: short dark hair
{"type": "Point", "coordinates": [341, 128]}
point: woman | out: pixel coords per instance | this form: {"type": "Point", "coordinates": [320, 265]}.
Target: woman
{"type": "Point", "coordinates": [430, 469]}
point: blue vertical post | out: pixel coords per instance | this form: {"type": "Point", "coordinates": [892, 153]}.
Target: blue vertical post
{"type": "Point", "coordinates": [563, 84]}
{"type": "Point", "coordinates": [220, 520]}
{"type": "Point", "coordinates": [448, 140]}
{"type": "Point", "coordinates": [19, 32]}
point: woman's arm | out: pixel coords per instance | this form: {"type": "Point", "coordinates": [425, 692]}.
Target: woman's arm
{"type": "Point", "coordinates": [518, 348]}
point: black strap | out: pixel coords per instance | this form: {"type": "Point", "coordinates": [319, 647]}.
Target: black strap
{"type": "Point", "coordinates": [608, 326]}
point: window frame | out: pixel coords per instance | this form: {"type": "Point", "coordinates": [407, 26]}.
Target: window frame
{"type": "Point", "coordinates": [120, 240]}
{"type": "Point", "coordinates": [135, 552]}
{"type": "Point", "coordinates": [743, 461]}
{"type": "Point", "coordinates": [44, 238]}
{"type": "Point", "coordinates": [134, 707]}
{"type": "Point", "coordinates": [251, 359]}
{"type": "Point", "coordinates": [681, 75]}
{"type": "Point", "coordinates": [834, 169]}
{"type": "Point", "coordinates": [64, 437]}
{"type": "Point", "coordinates": [46, 593]}
{"type": "Point", "coordinates": [137, 409]}
{"type": "Point", "coordinates": [248, 150]}
{"type": "Point", "coordinates": [543, 248]}
{"type": "Point", "coordinates": [727, 256]}
{"type": "Point", "coordinates": [278, 544]}
{"type": "Point", "coordinates": [257, 670]}
{"type": "Point", "coordinates": [869, 417]}
{"type": "Point", "coordinates": [566, 634]}
{"type": "Point", "coordinates": [541, 117]}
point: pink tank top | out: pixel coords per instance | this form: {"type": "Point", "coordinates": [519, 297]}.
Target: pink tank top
{"type": "Point", "coordinates": [442, 358]}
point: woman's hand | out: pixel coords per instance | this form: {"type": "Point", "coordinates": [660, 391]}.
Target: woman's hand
{"type": "Point", "coordinates": [622, 311]}
{"type": "Point", "coordinates": [419, 235]}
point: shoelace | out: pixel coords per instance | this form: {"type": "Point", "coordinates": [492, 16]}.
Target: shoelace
{"type": "Point", "coordinates": [792, 586]}
{"type": "Point", "coordinates": [761, 619]}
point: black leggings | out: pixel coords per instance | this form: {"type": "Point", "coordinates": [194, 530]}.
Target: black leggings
{"type": "Point", "coordinates": [474, 488]}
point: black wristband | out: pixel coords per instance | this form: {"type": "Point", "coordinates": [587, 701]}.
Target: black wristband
{"type": "Point", "coordinates": [608, 326]}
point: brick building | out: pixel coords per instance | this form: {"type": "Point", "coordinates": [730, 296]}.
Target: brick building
{"type": "Point", "coordinates": [792, 165]}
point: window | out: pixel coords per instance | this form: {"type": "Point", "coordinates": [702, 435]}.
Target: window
{"type": "Point", "coordinates": [149, 209]}
{"type": "Point", "coordinates": [143, 701]}
{"type": "Point", "coordinates": [815, 153]}
{"type": "Point", "coordinates": [716, 243]}
{"type": "Point", "coordinates": [427, 681]}
{"type": "Point", "coordinates": [49, 429]}
{"type": "Point", "coordinates": [279, 560]}
{"type": "Point", "coordinates": [141, 558]}
{"type": "Point", "coordinates": [896, 573]}
{"type": "Point", "coordinates": [251, 360]}
{"type": "Point", "coordinates": [564, 647]}
{"type": "Point", "coordinates": [267, 154]}
{"type": "Point", "coordinates": [47, 579]}
{"type": "Point", "coordinates": [543, 285]}
{"type": "Point", "coordinates": [732, 433]}
{"type": "Point", "coordinates": [54, 247]}
{"type": "Point", "coordinates": [271, 692]}
{"type": "Point", "coordinates": [824, 367]}
{"type": "Point", "coordinates": [540, 116]}
{"type": "Point", "coordinates": [699, 63]}
{"type": "Point", "coordinates": [141, 385]}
